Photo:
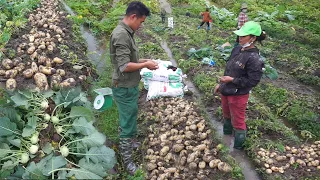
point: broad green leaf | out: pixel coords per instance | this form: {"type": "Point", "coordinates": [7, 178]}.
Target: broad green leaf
{"type": "Point", "coordinates": [28, 131]}
{"type": "Point", "coordinates": [82, 174]}
{"type": "Point", "coordinates": [26, 93]}
{"type": "Point", "coordinates": [15, 142]}
{"type": "Point", "coordinates": [20, 100]}
{"type": "Point", "coordinates": [7, 127]}
{"type": "Point", "coordinates": [4, 150]}
{"type": "Point", "coordinates": [94, 139]}
{"type": "Point", "coordinates": [62, 174]}
{"type": "Point", "coordinates": [54, 163]}
{"type": "Point", "coordinates": [18, 173]}
{"type": "Point", "coordinates": [47, 148]}
{"type": "Point", "coordinates": [30, 127]}
{"type": "Point", "coordinates": [48, 93]}
{"type": "Point", "coordinates": [66, 96]}
{"type": "Point", "coordinates": [33, 171]}
{"type": "Point", "coordinates": [92, 167]}
{"type": "Point", "coordinates": [79, 111]}
{"type": "Point", "coordinates": [81, 125]}
{"type": "Point", "coordinates": [70, 131]}
{"type": "Point", "coordinates": [4, 173]}
{"type": "Point", "coordinates": [13, 115]}
{"type": "Point", "coordinates": [103, 155]}
{"type": "Point", "coordinates": [8, 165]}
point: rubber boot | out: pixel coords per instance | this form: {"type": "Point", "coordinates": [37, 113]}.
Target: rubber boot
{"type": "Point", "coordinates": [208, 28]}
{"type": "Point", "coordinates": [199, 27]}
{"type": "Point", "coordinates": [125, 149]}
{"type": "Point", "coordinates": [239, 138]}
{"type": "Point", "coordinates": [227, 127]}
{"type": "Point", "coordinates": [135, 143]}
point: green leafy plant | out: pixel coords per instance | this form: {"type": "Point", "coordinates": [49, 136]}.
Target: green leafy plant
{"type": "Point", "coordinates": [51, 134]}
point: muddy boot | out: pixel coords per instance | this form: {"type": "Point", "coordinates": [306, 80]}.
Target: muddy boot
{"type": "Point", "coordinates": [135, 143]}
{"type": "Point", "coordinates": [239, 138]}
{"type": "Point", "coordinates": [227, 127]}
{"type": "Point", "coordinates": [125, 149]}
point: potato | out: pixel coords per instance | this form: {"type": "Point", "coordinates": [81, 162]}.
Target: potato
{"type": "Point", "coordinates": [50, 48]}
{"type": "Point", "coordinates": [21, 65]}
{"type": "Point", "coordinates": [11, 84]}
{"type": "Point", "coordinates": [178, 147]}
{"type": "Point", "coordinates": [31, 38]}
{"type": "Point", "coordinates": [28, 73]}
{"type": "Point", "coordinates": [222, 166]}
{"type": "Point", "coordinates": [41, 81]}
{"type": "Point", "coordinates": [42, 46]}
{"type": "Point", "coordinates": [55, 81]}
{"type": "Point", "coordinates": [151, 166]}
{"type": "Point", "coordinates": [164, 150]}
{"type": "Point", "coordinates": [7, 64]}
{"type": "Point", "coordinates": [57, 60]}
{"type": "Point", "coordinates": [31, 49]}
{"type": "Point", "coordinates": [214, 163]}
{"type": "Point", "coordinates": [11, 73]}
{"type": "Point", "coordinates": [16, 61]}
{"type": "Point", "coordinates": [34, 55]}
{"type": "Point", "coordinates": [70, 82]}
{"type": "Point", "coordinates": [23, 46]}
{"type": "Point", "coordinates": [34, 67]}
{"type": "Point", "coordinates": [47, 70]}
{"type": "Point", "coordinates": [61, 72]}
{"type": "Point", "coordinates": [202, 165]}
{"type": "Point", "coordinates": [2, 72]}
{"type": "Point", "coordinates": [19, 69]}
{"type": "Point", "coordinates": [42, 60]}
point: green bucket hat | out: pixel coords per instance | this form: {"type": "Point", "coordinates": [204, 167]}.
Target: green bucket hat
{"type": "Point", "coordinates": [249, 28]}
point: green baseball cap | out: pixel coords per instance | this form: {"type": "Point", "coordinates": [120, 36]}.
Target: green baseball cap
{"type": "Point", "coordinates": [249, 28]}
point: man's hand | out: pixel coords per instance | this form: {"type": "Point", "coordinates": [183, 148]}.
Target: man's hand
{"type": "Point", "coordinates": [216, 89]}
{"type": "Point", "coordinates": [226, 79]}
{"type": "Point", "coordinates": [152, 65]}
{"type": "Point", "coordinates": [144, 60]}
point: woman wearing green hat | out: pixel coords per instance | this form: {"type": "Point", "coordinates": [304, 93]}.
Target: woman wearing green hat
{"type": "Point", "coordinates": [243, 72]}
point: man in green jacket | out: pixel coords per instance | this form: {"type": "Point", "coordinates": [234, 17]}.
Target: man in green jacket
{"type": "Point", "coordinates": [126, 77]}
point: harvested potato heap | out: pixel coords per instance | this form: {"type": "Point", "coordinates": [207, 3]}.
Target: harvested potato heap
{"type": "Point", "coordinates": [33, 55]}
{"type": "Point", "coordinates": [179, 144]}
{"type": "Point", "coordinates": [306, 157]}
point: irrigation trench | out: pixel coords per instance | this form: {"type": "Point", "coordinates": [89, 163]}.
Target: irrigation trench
{"type": "Point", "coordinates": [98, 53]}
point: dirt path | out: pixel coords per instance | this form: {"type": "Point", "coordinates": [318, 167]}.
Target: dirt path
{"type": "Point", "coordinates": [166, 6]}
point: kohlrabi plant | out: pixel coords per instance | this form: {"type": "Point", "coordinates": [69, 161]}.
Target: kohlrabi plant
{"type": "Point", "coordinates": [45, 135]}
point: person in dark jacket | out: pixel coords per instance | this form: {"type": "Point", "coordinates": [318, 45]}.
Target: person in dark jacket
{"type": "Point", "coordinates": [243, 72]}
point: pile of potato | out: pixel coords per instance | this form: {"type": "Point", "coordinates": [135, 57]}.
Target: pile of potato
{"type": "Point", "coordinates": [306, 156]}
{"type": "Point", "coordinates": [179, 144]}
{"type": "Point", "coordinates": [41, 42]}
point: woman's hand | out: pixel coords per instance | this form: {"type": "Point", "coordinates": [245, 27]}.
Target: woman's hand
{"type": "Point", "coordinates": [216, 89]}
{"type": "Point", "coordinates": [226, 79]}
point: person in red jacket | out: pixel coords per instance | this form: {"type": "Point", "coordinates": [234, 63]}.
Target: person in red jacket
{"type": "Point", "coordinates": [243, 72]}
{"type": "Point", "coordinates": [206, 17]}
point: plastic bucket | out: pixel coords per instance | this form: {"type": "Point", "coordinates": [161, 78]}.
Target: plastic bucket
{"type": "Point", "coordinates": [102, 103]}
{"type": "Point", "coordinates": [104, 100]}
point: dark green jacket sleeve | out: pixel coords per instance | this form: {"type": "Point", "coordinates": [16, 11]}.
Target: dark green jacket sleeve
{"type": "Point", "coordinates": [122, 47]}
